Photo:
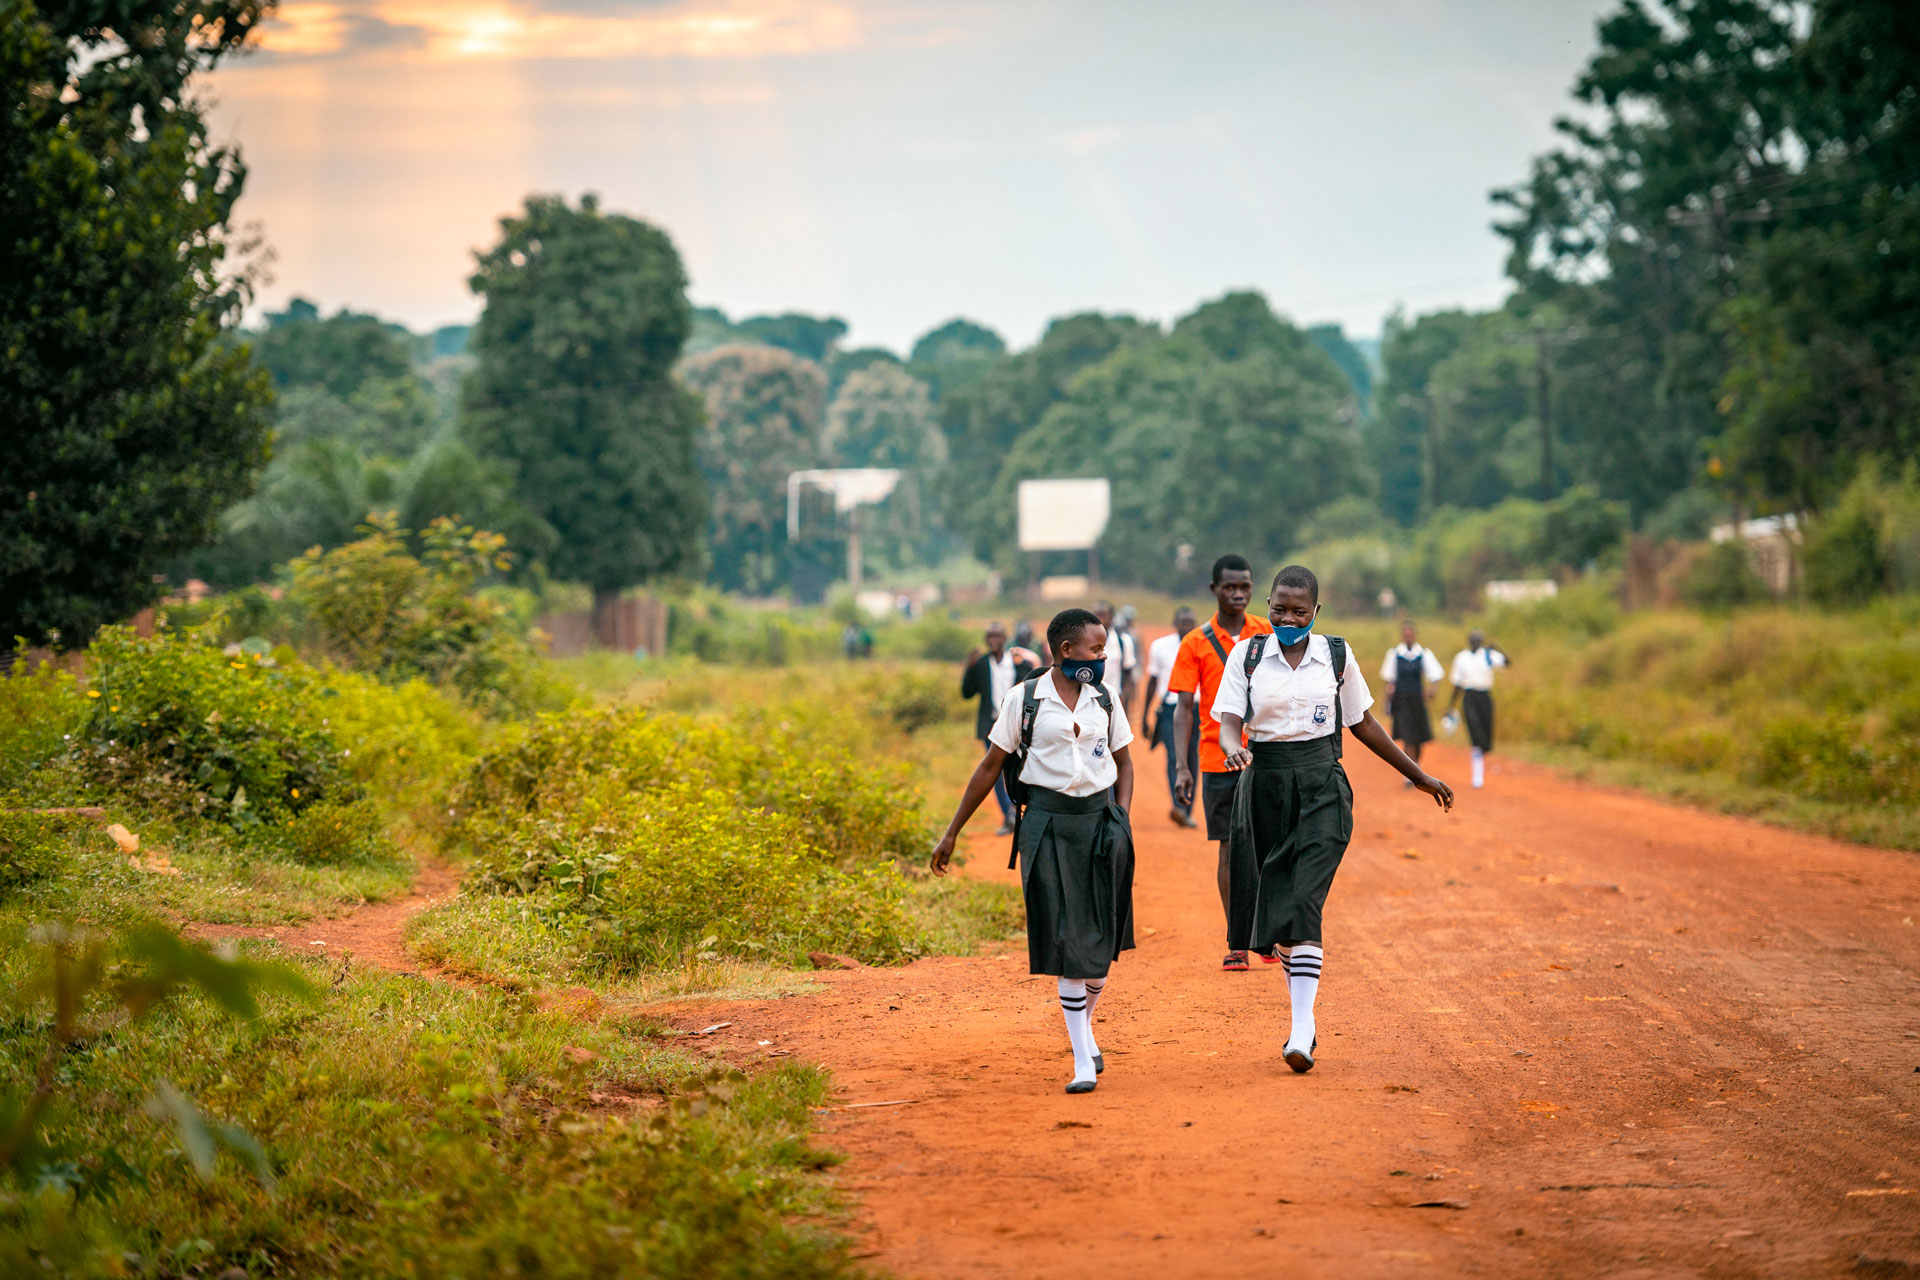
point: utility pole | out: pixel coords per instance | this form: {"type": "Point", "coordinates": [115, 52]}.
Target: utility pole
{"type": "Point", "coordinates": [1541, 405]}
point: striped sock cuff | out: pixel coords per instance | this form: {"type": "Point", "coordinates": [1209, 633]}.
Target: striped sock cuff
{"type": "Point", "coordinates": [1073, 1004]}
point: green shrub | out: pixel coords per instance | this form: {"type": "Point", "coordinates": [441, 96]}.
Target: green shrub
{"type": "Point", "coordinates": [681, 872]}
{"type": "Point", "coordinates": [32, 847]}
{"type": "Point", "coordinates": [918, 700]}
{"type": "Point", "coordinates": [40, 711]}
{"type": "Point", "coordinates": [1842, 561]}
{"type": "Point", "coordinates": [1720, 577]}
{"type": "Point", "coordinates": [331, 833]}
{"type": "Point", "coordinates": [179, 722]}
{"type": "Point", "coordinates": [377, 608]}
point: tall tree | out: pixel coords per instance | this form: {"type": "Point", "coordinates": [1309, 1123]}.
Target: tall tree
{"type": "Point", "coordinates": [585, 315]}
{"type": "Point", "coordinates": [130, 423]}
{"type": "Point", "coordinates": [763, 421]}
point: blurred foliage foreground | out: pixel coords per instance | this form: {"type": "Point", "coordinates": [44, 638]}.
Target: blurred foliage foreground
{"type": "Point", "coordinates": [170, 1110]}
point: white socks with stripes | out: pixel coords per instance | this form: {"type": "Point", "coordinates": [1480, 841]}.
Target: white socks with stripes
{"type": "Point", "coordinates": [1077, 1008]}
{"type": "Point", "coordinates": [1479, 767]}
{"type": "Point", "coordinates": [1094, 987]}
{"type": "Point", "coordinates": [1303, 985]}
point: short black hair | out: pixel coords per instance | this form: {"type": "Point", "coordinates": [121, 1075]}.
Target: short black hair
{"type": "Point", "coordinates": [1066, 628]}
{"type": "Point", "coordinates": [1182, 612]}
{"type": "Point", "coordinates": [1296, 576]}
{"type": "Point", "coordinates": [1228, 561]}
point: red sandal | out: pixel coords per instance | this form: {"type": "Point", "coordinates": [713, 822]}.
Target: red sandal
{"type": "Point", "coordinates": [1235, 962]}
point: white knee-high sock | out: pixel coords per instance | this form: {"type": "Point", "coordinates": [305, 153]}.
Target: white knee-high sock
{"type": "Point", "coordinates": [1094, 987]}
{"type": "Point", "coordinates": [1479, 767]}
{"type": "Point", "coordinates": [1073, 1004]}
{"type": "Point", "coordinates": [1303, 986]}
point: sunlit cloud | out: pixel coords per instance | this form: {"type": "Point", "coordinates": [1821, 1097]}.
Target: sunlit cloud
{"type": "Point", "coordinates": [441, 31]}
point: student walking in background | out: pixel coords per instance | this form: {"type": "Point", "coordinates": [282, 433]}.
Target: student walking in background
{"type": "Point", "coordinates": [1120, 654]}
{"type": "Point", "coordinates": [1291, 693]}
{"type": "Point", "coordinates": [1472, 680]}
{"type": "Point", "coordinates": [988, 676]}
{"type": "Point", "coordinates": [1196, 676]}
{"type": "Point", "coordinates": [1162, 704]}
{"type": "Point", "coordinates": [1411, 671]}
{"type": "Point", "coordinates": [1075, 844]}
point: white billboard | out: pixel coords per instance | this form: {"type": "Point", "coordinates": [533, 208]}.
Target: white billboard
{"type": "Point", "coordinates": [1063, 515]}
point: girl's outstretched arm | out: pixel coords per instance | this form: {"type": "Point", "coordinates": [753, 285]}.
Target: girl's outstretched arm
{"type": "Point", "coordinates": [1370, 732]}
{"type": "Point", "coordinates": [979, 787]}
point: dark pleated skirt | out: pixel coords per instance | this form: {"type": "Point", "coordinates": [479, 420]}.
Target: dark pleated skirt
{"type": "Point", "coordinates": [1411, 723]}
{"type": "Point", "coordinates": [1292, 820]}
{"type": "Point", "coordinates": [1477, 706]}
{"type": "Point", "coordinates": [1076, 871]}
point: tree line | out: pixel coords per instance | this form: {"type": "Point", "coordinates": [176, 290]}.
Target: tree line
{"type": "Point", "coordinates": [1709, 317]}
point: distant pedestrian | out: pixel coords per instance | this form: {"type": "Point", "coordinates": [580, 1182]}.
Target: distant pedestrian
{"type": "Point", "coordinates": [1290, 694]}
{"type": "Point", "coordinates": [1121, 660]}
{"type": "Point", "coordinates": [989, 674]}
{"type": "Point", "coordinates": [1197, 669]}
{"type": "Point", "coordinates": [850, 640]}
{"type": "Point", "coordinates": [1162, 705]}
{"type": "Point", "coordinates": [1075, 844]}
{"type": "Point", "coordinates": [1411, 672]}
{"type": "Point", "coordinates": [1472, 680]}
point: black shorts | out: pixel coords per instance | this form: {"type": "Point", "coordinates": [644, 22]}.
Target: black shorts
{"type": "Point", "coordinates": [1216, 801]}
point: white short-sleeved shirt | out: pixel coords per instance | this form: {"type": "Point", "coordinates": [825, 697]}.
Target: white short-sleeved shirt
{"type": "Point", "coordinates": [1473, 668]}
{"type": "Point", "coordinates": [1292, 704]}
{"type": "Point", "coordinates": [1120, 658]}
{"type": "Point", "coordinates": [1072, 752]}
{"type": "Point", "coordinates": [999, 676]}
{"type": "Point", "coordinates": [1429, 663]}
{"type": "Point", "coordinates": [1160, 656]}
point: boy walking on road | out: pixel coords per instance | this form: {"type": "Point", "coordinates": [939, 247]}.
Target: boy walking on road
{"type": "Point", "coordinates": [987, 677]}
{"type": "Point", "coordinates": [1162, 705]}
{"type": "Point", "coordinates": [1472, 680]}
{"type": "Point", "coordinates": [1197, 668]}
{"type": "Point", "coordinates": [1075, 843]}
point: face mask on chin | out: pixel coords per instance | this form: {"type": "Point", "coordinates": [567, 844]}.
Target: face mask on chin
{"type": "Point", "coordinates": [1292, 635]}
{"type": "Point", "coordinates": [1084, 670]}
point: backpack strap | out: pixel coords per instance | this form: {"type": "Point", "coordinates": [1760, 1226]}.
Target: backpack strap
{"type": "Point", "coordinates": [1256, 649]}
{"type": "Point", "coordinates": [1337, 650]}
{"type": "Point", "coordinates": [1213, 638]}
{"type": "Point", "coordinates": [1106, 705]}
{"type": "Point", "coordinates": [1029, 711]}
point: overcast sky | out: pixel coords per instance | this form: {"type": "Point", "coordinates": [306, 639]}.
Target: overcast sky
{"type": "Point", "coordinates": [899, 163]}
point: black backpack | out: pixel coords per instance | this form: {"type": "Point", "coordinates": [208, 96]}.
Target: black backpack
{"type": "Point", "coordinates": [1336, 650]}
{"type": "Point", "coordinates": [1017, 789]}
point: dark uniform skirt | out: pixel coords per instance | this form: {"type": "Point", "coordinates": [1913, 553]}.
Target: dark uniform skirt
{"type": "Point", "coordinates": [1477, 704]}
{"type": "Point", "coordinates": [1076, 870]}
{"type": "Point", "coordinates": [1411, 724]}
{"type": "Point", "coordinates": [1292, 819]}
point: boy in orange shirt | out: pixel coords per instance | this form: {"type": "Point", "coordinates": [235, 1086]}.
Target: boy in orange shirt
{"type": "Point", "coordinates": [1196, 678]}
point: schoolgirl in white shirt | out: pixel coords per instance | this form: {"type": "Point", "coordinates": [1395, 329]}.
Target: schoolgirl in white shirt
{"type": "Point", "coordinates": [1293, 810]}
{"type": "Point", "coordinates": [1410, 670]}
{"type": "Point", "coordinates": [1073, 841]}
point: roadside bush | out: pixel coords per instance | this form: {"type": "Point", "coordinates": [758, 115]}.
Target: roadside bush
{"type": "Point", "coordinates": [919, 700]}
{"type": "Point", "coordinates": [331, 833]}
{"type": "Point", "coordinates": [177, 721]}
{"type": "Point", "coordinates": [682, 871]}
{"type": "Point", "coordinates": [40, 710]}
{"type": "Point", "coordinates": [32, 847]}
{"type": "Point", "coordinates": [1719, 577]}
{"type": "Point", "coordinates": [377, 608]}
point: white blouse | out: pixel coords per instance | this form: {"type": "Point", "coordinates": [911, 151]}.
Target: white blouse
{"type": "Point", "coordinates": [1292, 704]}
{"type": "Point", "coordinates": [1072, 751]}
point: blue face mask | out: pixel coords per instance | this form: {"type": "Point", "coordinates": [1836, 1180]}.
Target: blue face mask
{"type": "Point", "coordinates": [1084, 670]}
{"type": "Point", "coordinates": [1292, 635]}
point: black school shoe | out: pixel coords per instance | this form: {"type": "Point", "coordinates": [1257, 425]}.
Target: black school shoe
{"type": "Point", "coordinates": [1099, 1063]}
{"type": "Point", "coordinates": [1301, 1060]}
{"type": "Point", "coordinates": [1081, 1086]}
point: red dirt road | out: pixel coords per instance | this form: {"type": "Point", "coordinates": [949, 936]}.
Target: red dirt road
{"type": "Point", "coordinates": [1602, 1035]}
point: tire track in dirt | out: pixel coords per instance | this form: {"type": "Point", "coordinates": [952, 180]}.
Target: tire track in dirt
{"type": "Point", "coordinates": [1631, 1039]}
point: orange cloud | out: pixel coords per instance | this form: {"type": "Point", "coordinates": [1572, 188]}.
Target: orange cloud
{"type": "Point", "coordinates": [502, 29]}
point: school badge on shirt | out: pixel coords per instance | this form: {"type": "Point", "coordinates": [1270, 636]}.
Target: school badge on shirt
{"type": "Point", "coordinates": [1320, 714]}
{"type": "Point", "coordinates": [1099, 750]}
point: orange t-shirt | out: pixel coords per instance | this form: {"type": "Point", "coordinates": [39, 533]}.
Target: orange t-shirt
{"type": "Point", "coordinates": [1197, 670]}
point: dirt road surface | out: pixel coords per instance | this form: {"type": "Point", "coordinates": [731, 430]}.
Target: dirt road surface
{"type": "Point", "coordinates": [1564, 1031]}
